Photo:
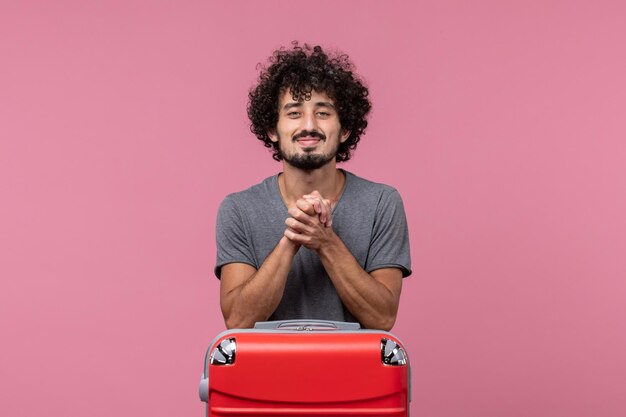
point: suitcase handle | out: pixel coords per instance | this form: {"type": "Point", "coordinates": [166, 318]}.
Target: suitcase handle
{"type": "Point", "coordinates": [306, 325]}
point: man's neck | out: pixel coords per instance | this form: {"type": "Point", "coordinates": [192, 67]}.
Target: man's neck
{"type": "Point", "coordinates": [294, 182]}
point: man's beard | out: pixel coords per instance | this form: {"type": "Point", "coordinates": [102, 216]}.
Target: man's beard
{"type": "Point", "coordinates": [307, 161]}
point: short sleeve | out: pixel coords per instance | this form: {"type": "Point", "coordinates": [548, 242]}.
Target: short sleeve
{"type": "Point", "coordinates": [389, 247]}
{"type": "Point", "coordinates": [233, 241]}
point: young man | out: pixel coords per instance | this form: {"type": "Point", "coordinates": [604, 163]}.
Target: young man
{"type": "Point", "coordinates": [315, 241]}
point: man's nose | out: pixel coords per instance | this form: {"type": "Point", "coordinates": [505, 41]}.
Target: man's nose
{"type": "Point", "coordinates": [309, 122]}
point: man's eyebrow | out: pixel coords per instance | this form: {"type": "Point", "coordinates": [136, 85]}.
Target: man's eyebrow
{"type": "Point", "coordinates": [324, 104]}
{"type": "Point", "coordinates": [292, 104]}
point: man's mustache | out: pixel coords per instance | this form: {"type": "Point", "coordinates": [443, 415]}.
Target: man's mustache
{"type": "Point", "coordinates": [311, 134]}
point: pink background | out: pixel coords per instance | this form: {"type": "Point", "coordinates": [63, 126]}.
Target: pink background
{"type": "Point", "coordinates": [122, 127]}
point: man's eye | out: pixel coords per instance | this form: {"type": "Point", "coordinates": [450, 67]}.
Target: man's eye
{"type": "Point", "coordinates": [293, 114]}
{"type": "Point", "coordinates": [323, 114]}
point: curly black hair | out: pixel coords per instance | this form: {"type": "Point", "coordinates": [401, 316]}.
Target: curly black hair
{"type": "Point", "coordinates": [301, 70]}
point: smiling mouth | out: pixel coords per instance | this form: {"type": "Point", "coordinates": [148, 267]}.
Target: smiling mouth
{"type": "Point", "coordinates": [308, 141]}
{"type": "Point", "coordinates": [309, 136]}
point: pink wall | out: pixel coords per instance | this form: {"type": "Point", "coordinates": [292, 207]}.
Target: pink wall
{"type": "Point", "coordinates": [122, 126]}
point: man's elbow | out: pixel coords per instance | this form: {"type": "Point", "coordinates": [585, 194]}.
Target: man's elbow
{"type": "Point", "coordinates": [383, 322]}
{"type": "Point", "coordinates": [237, 323]}
{"type": "Point", "coordinates": [233, 318]}
{"type": "Point", "coordinates": [387, 324]}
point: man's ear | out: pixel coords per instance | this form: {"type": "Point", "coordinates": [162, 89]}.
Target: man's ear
{"type": "Point", "coordinates": [345, 134]}
{"type": "Point", "coordinates": [271, 133]}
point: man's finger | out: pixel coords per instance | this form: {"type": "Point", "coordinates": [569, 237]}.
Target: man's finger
{"type": "Point", "coordinates": [302, 217]}
{"type": "Point", "coordinates": [325, 212]}
{"type": "Point", "coordinates": [321, 206]}
{"type": "Point", "coordinates": [329, 212]}
{"type": "Point", "coordinates": [296, 237]}
{"type": "Point", "coordinates": [290, 234]}
{"type": "Point", "coordinates": [321, 210]}
{"type": "Point", "coordinates": [314, 201]}
{"type": "Point", "coordinates": [297, 226]}
{"type": "Point", "coordinates": [305, 206]}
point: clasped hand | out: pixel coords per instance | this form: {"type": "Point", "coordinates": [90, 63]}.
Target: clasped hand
{"type": "Point", "coordinates": [310, 222]}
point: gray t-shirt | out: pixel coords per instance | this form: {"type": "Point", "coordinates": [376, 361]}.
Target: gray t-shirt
{"type": "Point", "coordinates": [369, 218]}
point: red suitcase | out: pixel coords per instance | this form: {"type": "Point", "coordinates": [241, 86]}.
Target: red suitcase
{"type": "Point", "coordinates": [306, 368]}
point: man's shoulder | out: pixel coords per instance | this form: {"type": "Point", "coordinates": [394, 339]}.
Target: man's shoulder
{"type": "Point", "coordinates": [255, 192]}
{"type": "Point", "coordinates": [362, 186]}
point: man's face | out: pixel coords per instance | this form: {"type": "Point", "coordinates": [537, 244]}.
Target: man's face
{"type": "Point", "coordinates": [308, 132]}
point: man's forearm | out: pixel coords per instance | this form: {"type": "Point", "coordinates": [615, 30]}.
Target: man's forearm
{"type": "Point", "coordinates": [258, 295]}
{"type": "Point", "coordinates": [371, 302]}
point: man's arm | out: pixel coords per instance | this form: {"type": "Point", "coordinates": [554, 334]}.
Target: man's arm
{"type": "Point", "coordinates": [372, 298]}
{"type": "Point", "coordinates": [248, 295]}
